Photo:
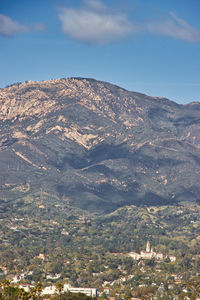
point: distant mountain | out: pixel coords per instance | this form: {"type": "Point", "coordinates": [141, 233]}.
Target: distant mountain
{"type": "Point", "coordinates": [96, 146]}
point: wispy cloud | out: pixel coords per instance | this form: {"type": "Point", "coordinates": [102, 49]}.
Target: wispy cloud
{"type": "Point", "coordinates": [174, 27]}
{"type": "Point", "coordinates": [9, 27]}
{"type": "Point", "coordinates": [95, 23]}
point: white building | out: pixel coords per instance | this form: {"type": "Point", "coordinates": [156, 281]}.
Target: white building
{"type": "Point", "coordinates": [159, 256]}
{"type": "Point", "coordinates": [53, 277]}
{"type": "Point", "coordinates": [134, 255]}
{"type": "Point", "coordinates": [87, 291]}
{"type": "Point", "coordinates": [172, 258]}
{"type": "Point", "coordinates": [18, 278]}
{"type": "Point", "coordinates": [51, 290]}
{"type": "Point", "coordinates": [148, 254]}
{"type": "Point", "coordinates": [26, 287]}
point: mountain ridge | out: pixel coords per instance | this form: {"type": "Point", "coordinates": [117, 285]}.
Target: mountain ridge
{"type": "Point", "coordinates": [96, 146]}
{"type": "Point", "coordinates": [94, 80]}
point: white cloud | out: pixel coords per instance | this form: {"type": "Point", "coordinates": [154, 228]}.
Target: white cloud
{"type": "Point", "coordinates": [95, 4]}
{"type": "Point", "coordinates": [9, 27]}
{"type": "Point", "coordinates": [94, 23]}
{"type": "Point", "coordinates": [174, 27]}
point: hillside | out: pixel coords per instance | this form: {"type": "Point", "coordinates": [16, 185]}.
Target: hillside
{"type": "Point", "coordinates": [96, 146]}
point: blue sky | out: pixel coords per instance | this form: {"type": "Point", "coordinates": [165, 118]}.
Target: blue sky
{"type": "Point", "coordinates": [149, 46]}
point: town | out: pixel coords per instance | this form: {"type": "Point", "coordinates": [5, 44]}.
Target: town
{"type": "Point", "coordinates": [126, 254]}
{"type": "Point", "coordinates": [145, 259]}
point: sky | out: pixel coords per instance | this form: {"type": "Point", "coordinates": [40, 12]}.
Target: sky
{"type": "Point", "coordinates": [148, 46]}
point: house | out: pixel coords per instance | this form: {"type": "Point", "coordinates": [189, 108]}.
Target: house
{"type": "Point", "coordinates": [106, 290]}
{"type": "Point", "coordinates": [49, 290]}
{"type": "Point", "coordinates": [41, 256]}
{"type": "Point", "coordinates": [172, 258]}
{"type": "Point", "coordinates": [26, 287]}
{"type": "Point", "coordinates": [53, 277]}
{"type": "Point", "coordinates": [17, 278]}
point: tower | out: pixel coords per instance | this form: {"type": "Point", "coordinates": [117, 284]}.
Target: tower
{"type": "Point", "coordinates": [148, 248]}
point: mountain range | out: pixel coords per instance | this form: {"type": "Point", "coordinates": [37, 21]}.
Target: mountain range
{"type": "Point", "coordinates": [96, 146]}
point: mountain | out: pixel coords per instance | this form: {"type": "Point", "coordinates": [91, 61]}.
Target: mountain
{"type": "Point", "coordinates": [96, 146]}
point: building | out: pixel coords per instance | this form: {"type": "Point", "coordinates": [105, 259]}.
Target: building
{"type": "Point", "coordinates": [134, 255]}
{"type": "Point", "coordinates": [51, 290]}
{"type": "Point", "coordinates": [159, 256]}
{"type": "Point", "coordinates": [106, 290]}
{"type": "Point", "coordinates": [172, 258]}
{"type": "Point", "coordinates": [53, 277]}
{"type": "Point", "coordinates": [26, 287]}
{"type": "Point", "coordinates": [41, 256]}
{"type": "Point", "coordinates": [18, 278]}
{"type": "Point", "coordinates": [148, 254]}
{"type": "Point", "coordinates": [148, 247]}
{"type": "Point", "coordinates": [87, 291]}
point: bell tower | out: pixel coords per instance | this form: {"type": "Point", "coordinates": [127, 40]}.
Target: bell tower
{"type": "Point", "coordinates": [148, 248]}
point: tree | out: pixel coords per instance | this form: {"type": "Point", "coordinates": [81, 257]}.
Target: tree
{"type": "Point", "coordinates": [22, 295]}
{"type": "Point", "coordinates": [193, 288]}
{"type": "Point", "coordinates": [5, 283]}
{"type": "Point", "coordinates": [59, 287]}
{"type": "Point", "coordinates": [167, 260]}
{"type": "Point", "coordinates": [145, 292]}
{"type": "Point", "coordinates": [33, 292]}
{"type": "Point", "coordinates": [39, 288]}
{"type": "Point", "coordinates": [4, 286]}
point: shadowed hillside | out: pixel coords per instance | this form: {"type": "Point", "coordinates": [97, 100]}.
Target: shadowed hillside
{"type": "Point", "coordinates": [96, 146]}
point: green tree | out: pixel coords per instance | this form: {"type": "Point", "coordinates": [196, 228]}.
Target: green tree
{"type": "Point", "coordinates": [59, 287]}
{"type": "Point", "coordinates": [193, 288]}
{"type": "Point", "coordinates": [33, 292]}
{"type": "Point", "coordinates": [39, 288]}
{"type": "Point", "coordinates": [4, 286]}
